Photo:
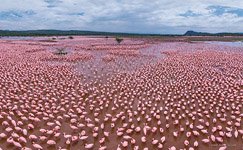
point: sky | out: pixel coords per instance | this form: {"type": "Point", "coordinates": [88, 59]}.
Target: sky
{"type": "Point", "coordinates": [132, 16]}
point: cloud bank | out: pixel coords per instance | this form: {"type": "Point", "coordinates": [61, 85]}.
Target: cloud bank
{"type": "Point", "coordinates": [136, 16]}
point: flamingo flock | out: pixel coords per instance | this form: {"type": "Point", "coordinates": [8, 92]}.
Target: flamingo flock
{"type": "Point", "coordinates": [74, 57]}
{"type": "Point", "coordinates": [190, 99]}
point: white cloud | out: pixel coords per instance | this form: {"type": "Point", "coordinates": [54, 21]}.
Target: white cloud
{"type": "Point", "coordinates": [158, 16]}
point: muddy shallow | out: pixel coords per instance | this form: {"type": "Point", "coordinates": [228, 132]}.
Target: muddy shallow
{"type": "Point", "coordinates": [172, 90]}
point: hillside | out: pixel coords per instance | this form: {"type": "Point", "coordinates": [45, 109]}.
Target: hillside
{"type": "Point", "coordinates": [66, 32]}
{"type": "Point", "coordinates": [193, 33]}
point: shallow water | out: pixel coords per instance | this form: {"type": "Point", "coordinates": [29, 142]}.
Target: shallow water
{"type": "Point", "coordinates": [233, 44]}
{"type": "Point", "coordinates": [17, 38]}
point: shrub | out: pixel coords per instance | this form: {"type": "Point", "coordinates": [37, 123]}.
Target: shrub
{"type": "Point", "coordinates": [119, 40]}
{"type": "Point", "coordinates": [61, 51]}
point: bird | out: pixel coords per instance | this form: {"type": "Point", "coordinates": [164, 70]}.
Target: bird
{"type": "Point", "coordinates": [37, 146]}
{"type": "Point", "coordinates": [51, 143]}
{"type": "Point", "coordinates": [89, 146]}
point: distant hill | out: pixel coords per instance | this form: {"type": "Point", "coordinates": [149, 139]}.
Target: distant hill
{"type": "Point", "coordinates": [193, 33]}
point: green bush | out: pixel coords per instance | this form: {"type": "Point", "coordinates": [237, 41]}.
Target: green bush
{"type": "Point", "coordinates": [61, 51]}
{"type": "Point", "coordinates": [119, 40]}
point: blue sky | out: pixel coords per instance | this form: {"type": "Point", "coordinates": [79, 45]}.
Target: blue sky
{"type": "Point", "coordinates": [137, 16]}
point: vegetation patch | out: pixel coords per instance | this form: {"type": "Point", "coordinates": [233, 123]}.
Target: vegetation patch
{"type": "Point", "coordinates": [61, 51]}
{"type": "Point", "coordinates": [119, 40]}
